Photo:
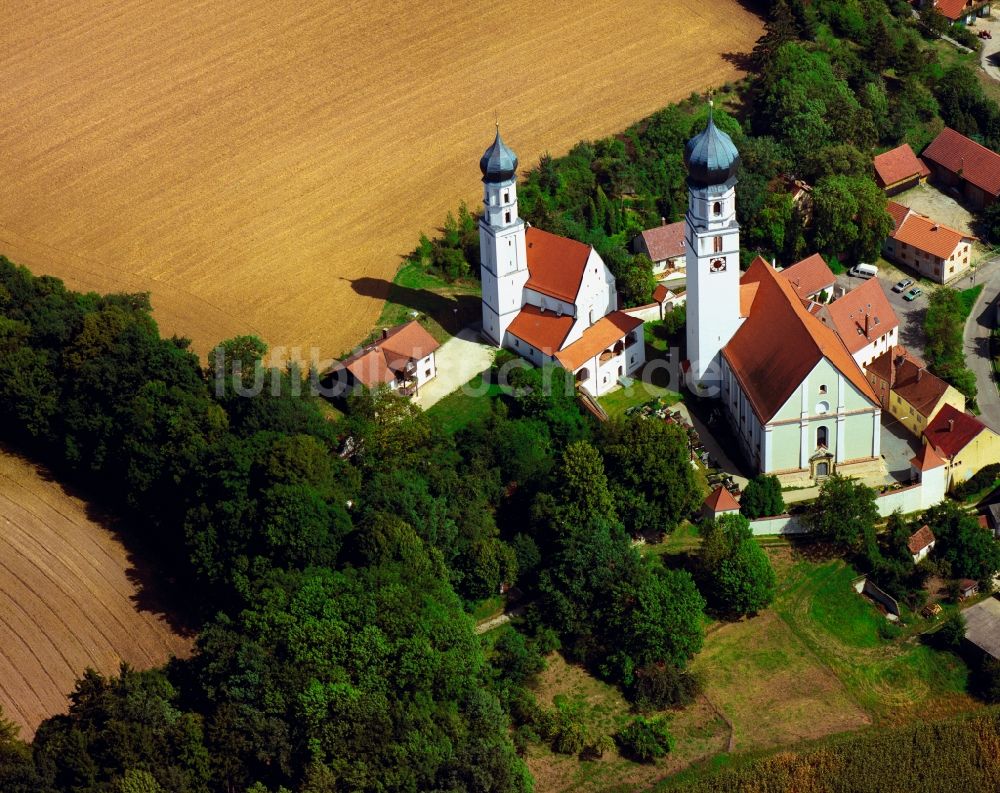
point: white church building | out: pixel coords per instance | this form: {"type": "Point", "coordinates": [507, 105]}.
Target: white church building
{"type": "Point", "coordinates": [794, 395]}
{"type": "Point", "coordinates": [548, 298]}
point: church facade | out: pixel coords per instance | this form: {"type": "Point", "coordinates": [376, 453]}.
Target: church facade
{"type": "Point", "coordinates": [793, 394]}
{"type": "Point", "coordinates": [548, 298]}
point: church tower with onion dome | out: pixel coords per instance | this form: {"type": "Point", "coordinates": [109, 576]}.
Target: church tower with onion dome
{"type": "Point", "coordinates": [502, 250]}
{"type": "Point", "coordinates": [712, 242]}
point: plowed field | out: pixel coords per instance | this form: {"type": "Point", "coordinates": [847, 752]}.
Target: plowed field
{"type": "Point", "coordinates": [261, 166]}
{"type": "Point", "coordinates": [67, 598]}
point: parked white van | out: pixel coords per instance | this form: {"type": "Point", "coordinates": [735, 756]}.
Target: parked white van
{"type": "Point", "coordinates": [864, 270]}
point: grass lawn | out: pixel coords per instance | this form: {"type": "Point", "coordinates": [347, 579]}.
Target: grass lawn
{"type": "Point", "coordinates": [968, 298]}
{"type": "Point", "coordinates": [639, 393]}
{"type": "Point", "coordinates": [460, 409]}
{"type": "Point", "coordinates": [443, 308]}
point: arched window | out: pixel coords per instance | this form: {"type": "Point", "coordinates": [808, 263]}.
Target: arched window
{"type": "Point", "coordinates": [821, 439]}
{"type": "Point", "coordinates": [717, 245]}
{"type": "Point", "coordinates": [506, 217]}
{"type": "Point", "coordinates": [717, 208]}
{"type": "Point", "coordinates": [822, 389]}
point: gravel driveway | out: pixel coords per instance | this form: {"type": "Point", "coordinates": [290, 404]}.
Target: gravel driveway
{"type": "Point", "coordinates": [459, 359]}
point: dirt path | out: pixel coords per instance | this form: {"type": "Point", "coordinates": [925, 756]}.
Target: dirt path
{"type": "Point", "coordinates": [67, 598]}
{"type": "Point", "coordinates": [262, 166]}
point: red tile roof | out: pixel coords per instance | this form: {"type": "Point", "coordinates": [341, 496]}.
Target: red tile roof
{"type": "Point", "coordinates": [385, 359]}
{"type": "Point", "coordinates": [747, 293]}
{"type": "Point", "coordinates": [920, 539]}
{"type": "Point", "coordinates": [780, 343]}
{"type": "Point", "coordinates": [956, 153]}
{"type": "Point", "coordinates": [810, 276]}
{"type": "Point", "coordinates": [898, 212]}
{"type": "Point", "coordinates": [544, 330]}
{"type": "Point", "coordinates": [555, 264]}
{"type": "Point", "coordinates": [897, 165]}
{"type": "Point", "coordinates": [930, 236]}
{"type": "Point", "coordinates": [721, 500]}
{"type": "Point", "coordinates": [665, 242]}
{"type": "Point", "coordinates": [950, 440]}
{"type": "Point", "coordinates": [954, 9]}
{"type": "Point", "coordinates": [927, 459]}
{"type": "Point", "coordinates": [861, 316]}
{"type": "Point", "coordinates": [597, 338]}
{"type": "Point", "coordinates": [661, 293]}
{"type": "Point", "coordinates": [885, 365]}
{"type": "Point", "coordinates": [918, 387]}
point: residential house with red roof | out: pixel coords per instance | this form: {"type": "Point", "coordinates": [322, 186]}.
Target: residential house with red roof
{"type": "Point", "coordinates": [964, 11]}
{"type": "Point", "coordinates": [548, 298]}
{"type": "Point", "coordinates": [908, 391]}
{"type": "Point", "coordinates": [864, 320]}
{"type": "Point", "coordinates": [931, 248]}
{"type": "Point", "coordinates": [402, 358]}
{"type": "Point", "coordinates": [921, 543]}
{"type": "Point", "coordinates": [963, 442]}
{"type": "Point", "coordinates": [960, 162]}
{"type": "Point", "coordinates": [664, 245]}
{"type": "Point", "coordinates": [899, 169]}
{"type": "Point", "coordinates": [811, 278]}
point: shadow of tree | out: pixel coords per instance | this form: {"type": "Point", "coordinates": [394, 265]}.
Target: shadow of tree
{"type": "Point", "coordinates": [741, 60]}
{"type": "Point", "coordinates": [911, 332]}
{"type": "Point", "coordinates": [451, 312]}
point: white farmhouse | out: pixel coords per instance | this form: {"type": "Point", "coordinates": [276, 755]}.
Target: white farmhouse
{"type": "Point", "coordinates": [548, 298]}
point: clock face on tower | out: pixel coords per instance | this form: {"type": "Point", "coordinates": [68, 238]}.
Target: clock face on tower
{"type": "Point", "coordinates": [717, 266]}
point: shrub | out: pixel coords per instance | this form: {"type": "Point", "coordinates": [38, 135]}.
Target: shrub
{"type": "Point", "coordinates": [645, 739]}
{"type": "Point", "coordinates": [660, 686]}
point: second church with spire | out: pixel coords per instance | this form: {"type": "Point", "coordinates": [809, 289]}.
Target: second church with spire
{"type": "Point", "coordinates": [549, 298]}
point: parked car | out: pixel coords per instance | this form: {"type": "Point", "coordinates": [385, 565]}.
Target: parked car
{"type": "Point", "coordinates": [864, 270]}
{"type": "Point", "coordinates": [901, 286]}
{"type": "Point", "coordinates": [913, 294]}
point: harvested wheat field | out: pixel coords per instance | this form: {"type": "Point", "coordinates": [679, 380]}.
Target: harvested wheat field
{"type": "Point", "coordinates": [67, 601]}
{"type": "Point", "coordinates": [261, 166]}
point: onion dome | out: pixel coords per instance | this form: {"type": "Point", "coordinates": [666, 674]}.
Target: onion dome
{"type": "Point", "coordinates": [711, 156]}
{"type": "Point", "coordinates": [498, 163]}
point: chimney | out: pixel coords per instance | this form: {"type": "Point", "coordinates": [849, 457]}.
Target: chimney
{"type": "Point", "coordinates": [663, 221]}
{"type": "Point", "coordinates": [920, 373]}
{"type": "Point", "coordinates": [385, 333]}
{"type": "Point", "coordinates": [951, 425]}
{"type": "Point", "coordinates": [774, 263]}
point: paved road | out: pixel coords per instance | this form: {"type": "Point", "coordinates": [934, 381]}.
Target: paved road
{"type": "Point", "coordinates": [991, 47]}
{"type": "Point", "coordinates": [977, 339]}
{"type": "Point", "coordinates": [459, 359]}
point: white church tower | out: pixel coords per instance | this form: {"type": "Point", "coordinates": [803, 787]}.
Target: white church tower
{"type": "Point", "coordinates": [502, 251]}
{"type": "Point", "coordinates": [712, 242]}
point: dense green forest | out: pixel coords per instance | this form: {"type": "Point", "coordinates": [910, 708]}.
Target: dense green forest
{"type": "Point", "coordinates": [330, 566]}
{"type": "Point", "coordinates": [327, 563]}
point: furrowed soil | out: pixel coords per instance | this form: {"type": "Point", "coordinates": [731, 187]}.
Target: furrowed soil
{"type": "Point", "coordinates": [68, 598]}
{"type": "Point", "coordinates": [262, 166]}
